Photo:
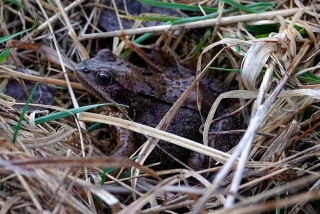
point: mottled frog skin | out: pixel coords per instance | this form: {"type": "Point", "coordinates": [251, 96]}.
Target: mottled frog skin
{"type": "Point", "coordinates": [150, 94]}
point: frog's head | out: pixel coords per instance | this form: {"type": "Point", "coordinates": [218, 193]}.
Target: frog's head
{"type": "Point", "coordinates": [96, 75]}
{"type": "Point", "coordinates": [108, 76]}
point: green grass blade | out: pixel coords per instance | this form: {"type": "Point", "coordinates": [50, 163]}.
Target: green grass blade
{"type": "Point", "coordinates": [93, 127]}
{"type": "Point", "coordinates": [262, 29]}
{"type": "Point", "coordinates": [19, 4]}
{"type": "Point", "coordinates": [240, 6]}
{"type": "Point", "coordinates": [177, 6]}
{"type": "Point", "coordinates": [202, 42]}
{"type": "Point", "coordinates": [154, 18]}
{"type": "Point", "coordinates": [62, 114]}
{"type": "Point", "coordinates": [4, 54]}
{"type": "Point", "coordinates": [226, 69]}
{"type": "Point", "coordinates": [5, 38]}
{"type": "Point", "coordinates": [262, 6]}
{"type": "Point", "coordinates": [25, 107]}
{"type": "Point", "coordinates": [266, 6]}
{"type": "Point", "coordinates": [52, 2]}
{"type": "Point", "coordinates": [142, 38]}
{"type": "Point", "coordinates": [200, 18]}
{"type": "Point", "coordinates": [309, 78]}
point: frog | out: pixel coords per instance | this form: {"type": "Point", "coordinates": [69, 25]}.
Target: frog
{"type": "Point", "coordinates": [149, 95]}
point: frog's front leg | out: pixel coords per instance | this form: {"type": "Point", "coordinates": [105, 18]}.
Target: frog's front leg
{"type": "Point", "coordinates": [126, 142]}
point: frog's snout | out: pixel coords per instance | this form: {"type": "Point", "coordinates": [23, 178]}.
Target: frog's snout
{"type": "Point", "coordinates": [80, 67]}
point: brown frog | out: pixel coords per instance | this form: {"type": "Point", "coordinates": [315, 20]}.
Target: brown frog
{"type": "Point", "coordinates": [150, 94]}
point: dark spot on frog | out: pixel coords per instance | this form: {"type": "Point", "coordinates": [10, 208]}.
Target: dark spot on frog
{"type": "Point", "coordinates": [152, 111]}
{"type": "Point", "coordinates": [151, 87]}
{"type": "Point", "coordinates": [174, 71]}
{"type": "Point", "coordinates": [185, 83]}
{"type": "Point", "coordinates": [215, 128]}
{"type": "Point", "coordinates": [176, 83]}
{"type": "Point", "coordinates": [146, 72]}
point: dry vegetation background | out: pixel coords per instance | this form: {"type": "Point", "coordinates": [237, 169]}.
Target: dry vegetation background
{"type": "Point", "coordinates": [56, 167]}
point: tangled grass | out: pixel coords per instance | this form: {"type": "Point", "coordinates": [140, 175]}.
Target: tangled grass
{"type": "Point", "coordinates": [55, 164]}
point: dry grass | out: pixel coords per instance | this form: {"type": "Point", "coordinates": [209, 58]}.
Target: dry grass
{"type": "Point", "coordinates": [54, 167]}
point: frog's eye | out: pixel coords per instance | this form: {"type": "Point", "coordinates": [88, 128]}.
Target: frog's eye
{"type": "Point", "coordinates": [104, 77]}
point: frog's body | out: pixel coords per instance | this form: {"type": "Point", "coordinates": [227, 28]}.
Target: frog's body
{"type": "Point", "coordinates": [149, 95]}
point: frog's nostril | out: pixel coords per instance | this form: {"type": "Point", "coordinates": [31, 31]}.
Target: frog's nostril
{"type": "Point", "coordinates": [85, 70]}
{"type": "Point", "coordinates": [81, 68]}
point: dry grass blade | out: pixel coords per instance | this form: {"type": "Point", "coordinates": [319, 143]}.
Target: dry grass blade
{"type": "Point", "coordinates": [254, 61]}
{"type": "Point", "coordinates": [39, 79]}
{"type": "Point", "coordinates": [197, 24]}
{"type": "Point", "coordinates": [78, 162]}
{"type": "Point", "coordinates": [215, 154]}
